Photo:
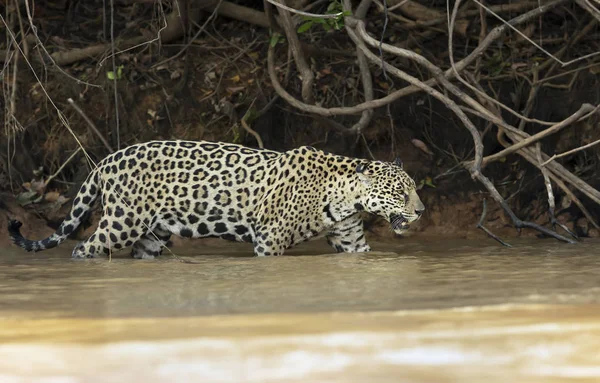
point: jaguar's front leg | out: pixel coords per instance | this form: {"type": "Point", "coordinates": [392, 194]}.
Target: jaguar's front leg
{"type": "Point", "coordinates": [348, 236]}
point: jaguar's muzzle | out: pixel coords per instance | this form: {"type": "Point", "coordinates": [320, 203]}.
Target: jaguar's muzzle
{"type": "Point", "coordinates": [399, 222]}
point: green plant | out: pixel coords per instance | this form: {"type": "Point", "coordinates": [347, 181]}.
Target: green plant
{"type": "Point", "coordinates": [276, 38]}
{"type": "Point", "coordinates": [111, 75]}
{"type": "Point", "coordinates": [426, 181]}
{"type": "Point", "coordinates": [335, 7]}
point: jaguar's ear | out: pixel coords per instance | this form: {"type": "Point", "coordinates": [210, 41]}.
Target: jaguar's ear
{"type": "Point", "coordinates": [398, 162]}
{"type": "Point", "coordinates": [363, 171]}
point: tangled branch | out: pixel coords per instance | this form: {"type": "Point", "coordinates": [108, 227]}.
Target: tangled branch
{"type": "Point", "coordinates": [356, 29]}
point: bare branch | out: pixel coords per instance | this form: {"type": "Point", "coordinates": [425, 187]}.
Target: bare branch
{"type": "Point", "coordinates": [449, 74]}
{"type": "Point", "coordinates": [533, 42]}
{"type": "Point", "coordinates": [62, 166]}
{"type": "Point", "coordinates": [577, 116]}
{"type": "Point", "coordinates": [289, 9]}
{"type": "Point", "coordinates": [365, 73]}
{"type": "Point", "coordinates": [475, 168]}
{"type": "Point", "coordinates": [569, 152]}
{"type": "Point", "coordinates": [91, 125]}
{"type": "Point", "coordinates": [485, 229]}
{"type": "Point", "coordinates": [248, 129]}
{"type": "Point", "coordinates": [299, 58]}
{"type": "Point", "coordinates": [551, 204]}
{"type": "Point", "coordinates": [585, 4]}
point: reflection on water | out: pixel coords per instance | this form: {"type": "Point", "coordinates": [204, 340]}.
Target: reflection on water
{"type": "Point", "coordinates": [463, 307]}
{"type": "Point", "coordinates": [400, 275]}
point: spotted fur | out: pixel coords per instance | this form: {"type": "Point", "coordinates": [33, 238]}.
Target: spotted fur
{"type": "Point", "coordinates": [206, 189]}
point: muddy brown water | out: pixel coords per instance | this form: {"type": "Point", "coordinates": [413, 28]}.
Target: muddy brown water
{"type": "Point", "coordinates": [412, 310]}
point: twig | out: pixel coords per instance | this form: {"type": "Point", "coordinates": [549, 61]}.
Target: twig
{"type": "Point", "coordinates": [485, 229]}
{"type": "Point", "coordinates": [299, 57]}
{"type": "Point", "coordinates": [556, 168]}
{"type": "Point", "coordinates": [533, 91]}
{"type": "Point", "coordinates": [451, 22]}
{"type": "Point", "coordinates": [365, 73]}
{"type": "Point", "coordinates": [62, 166]}
{"type": "Point", "coordinates": [562, 63]}
{"type": "Point", "coordinates": [569, 152]}
{"type": "Point", "coordinates": [385, 23]}
{"type": "Point", "coordinates": [577, 116]}
{"type": "Point", "coordinates": [91, 125]}
{"type": "Point", "coordinates": [23, 34]}
{"type": "Point", "coordinates": [482, 34]}
{"type": "Point", "coordinates": [475, 169]}
{"type": "Point", "coordinates": [12, 111]}
{"type": "Point", "coordinates": [561, 184]}
{"type": "Point", "coordinates": [519, 224]}
{"type": "Point", "coordinates": [577, 70]}
{"type": "Point", "coordinates": [551, 204]}
{"type": "Point", "coordinates": [585, 4]}
{"type": "Point", "coordinates": [190, 42]}
{"type": "Point", "coordinates": [41, 45]}
{"type": "Point", "coordinates": [61, 116]}
{"type": "Point", "coordinates": [427, 22]}
{"type": "Point", "coordinates": [143, 41]}
{"type": "Point", "coordinates": [449, 74]}
{"type": "Point", "coordinates": [249, 129]}
{"type": "Point", "coordinates": [325, 16]}
{"type": "Point", "coordinates": [114, 66]}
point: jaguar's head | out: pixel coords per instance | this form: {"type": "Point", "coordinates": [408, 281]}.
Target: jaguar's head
{"type": "Point", "coordinates": [390, 193]}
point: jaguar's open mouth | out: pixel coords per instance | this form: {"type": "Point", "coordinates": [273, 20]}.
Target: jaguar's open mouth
{"type": "Point", "coordinates": [399, 223]}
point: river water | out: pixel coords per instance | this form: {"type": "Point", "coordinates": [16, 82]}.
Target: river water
{"type": "Point", "coordinates": [414, 310]}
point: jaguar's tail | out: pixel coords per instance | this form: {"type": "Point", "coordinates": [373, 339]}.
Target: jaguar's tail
{"type": "Point", "coordinates": [82, 203]}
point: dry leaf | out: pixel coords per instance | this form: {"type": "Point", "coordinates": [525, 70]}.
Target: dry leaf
{"type": "Point", "coordinates": [383, 85]}
{"type": "Point", "coordinates": [235, 78]}
{"type": "Point", "coordinates": [38, 186]}
{"type": "Point", "coordinates": [421, 145]}
{"type": "Point", "coordinates": [175, 74]}
{"type": "Point", "coordinates": [62, 200]}
{"type": "Point", "coordinates": [235, 89]}
{"type": "Point", "coordinates": [52, 196]}
{"type": "Point", "coordinates": [461, 27]}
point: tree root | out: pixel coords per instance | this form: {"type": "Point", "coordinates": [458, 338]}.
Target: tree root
{"type": "Point", "coordinates": [485, 229]}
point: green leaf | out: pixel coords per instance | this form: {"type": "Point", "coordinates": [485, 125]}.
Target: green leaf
{"type": "Point", "coordinates": [120, 72]}
{"type": "Point", "coordinates": [429, 182]}
{"type": "Point", "coordinates": [305, 27]}
{"type": "Point", "coordinates": [27, 197]}
{"type": "Point", "coordinates": [274, 39]}
{"type": "Point", "coordinates": [110, 75]}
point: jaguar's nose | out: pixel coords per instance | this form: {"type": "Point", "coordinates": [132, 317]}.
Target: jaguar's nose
{"type": "Point", "coordinates": [419, 207]}
{"type": "Point", "coordinates": [420, 211]}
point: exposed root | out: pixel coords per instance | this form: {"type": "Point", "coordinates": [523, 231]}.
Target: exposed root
{"type": "Point", "coordinates": [485, 229]}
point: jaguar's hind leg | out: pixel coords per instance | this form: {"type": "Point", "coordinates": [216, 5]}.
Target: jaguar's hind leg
{"type": "Point", "coordinates": [151, 244]}
{"type": "Point", "coordinates": [112, 234]}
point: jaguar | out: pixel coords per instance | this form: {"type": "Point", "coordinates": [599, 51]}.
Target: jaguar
{"type": "Point", "coordinates": [194, 189]}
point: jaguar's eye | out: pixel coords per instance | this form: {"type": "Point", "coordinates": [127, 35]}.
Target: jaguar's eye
{"type": "Point", "coordinates": [405, 196]}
